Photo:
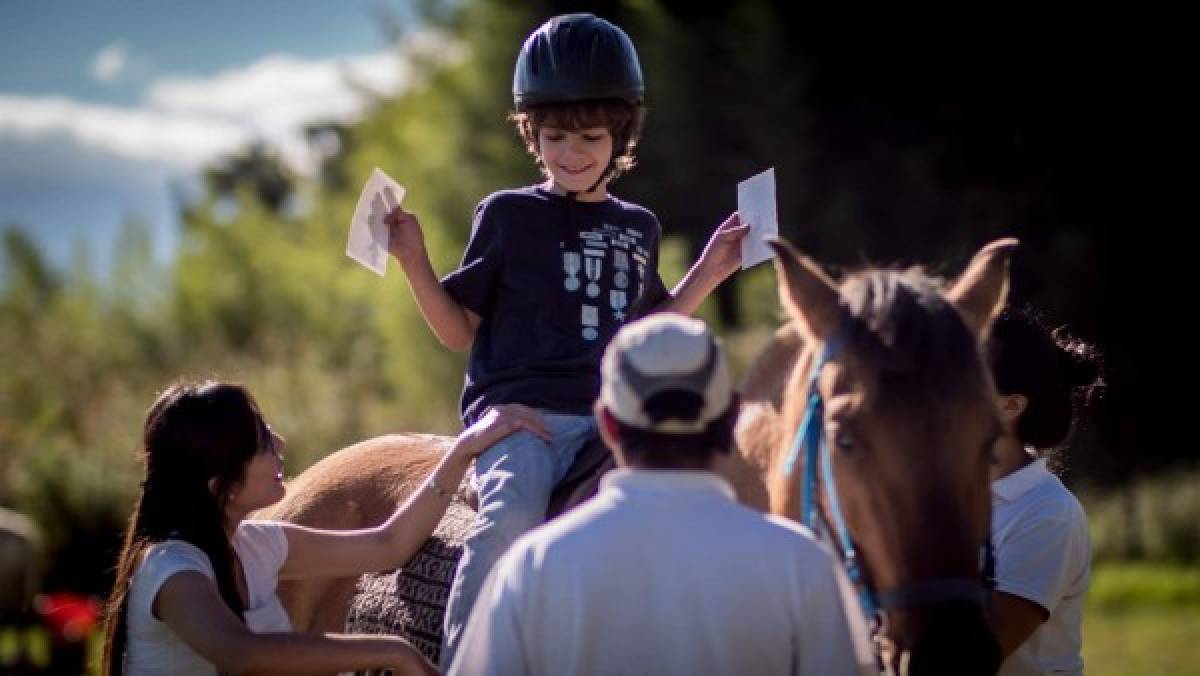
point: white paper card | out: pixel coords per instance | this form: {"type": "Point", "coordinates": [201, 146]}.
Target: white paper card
{"type": "Point", "coordinates": [368, 243]}
{"type": "Point", "coordinates": [756, 206]}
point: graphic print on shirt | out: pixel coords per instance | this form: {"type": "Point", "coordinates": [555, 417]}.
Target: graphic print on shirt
{"type": "Point", "coordinates": [608, 256]}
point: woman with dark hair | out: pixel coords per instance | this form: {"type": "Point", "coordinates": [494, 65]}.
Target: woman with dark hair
{"type": "Point", "coordinates": [1039, 529]}
{"type": "Point", "coordinates": [195, 589]}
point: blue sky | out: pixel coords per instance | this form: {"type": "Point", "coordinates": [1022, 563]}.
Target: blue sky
{"type": "Point", "coordinates": [106, 107]}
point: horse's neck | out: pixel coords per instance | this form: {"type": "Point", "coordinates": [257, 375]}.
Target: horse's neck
{"type": "Point", "coordinates": [759, 427]}
{"type": "Point", "coordinates": [767, 376]}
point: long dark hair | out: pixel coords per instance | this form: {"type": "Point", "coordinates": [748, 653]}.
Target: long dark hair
{"type": "Point", "coordinates": [1056, 373]}
{"type": "Point", "coordinates": [195, 433]}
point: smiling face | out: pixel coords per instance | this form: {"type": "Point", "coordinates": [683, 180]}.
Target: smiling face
{"type": "Point", "coordinates": [262, 483]}
{"type": "Point", "coordinates": [575, 160]}
{"type": "Point", "coordinates": [576, 142]}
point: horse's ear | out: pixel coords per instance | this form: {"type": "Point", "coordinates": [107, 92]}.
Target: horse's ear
{"type": "Point", "coordinates": [981, 292]}
{"type": "Point", "coordinates": [806, 292]}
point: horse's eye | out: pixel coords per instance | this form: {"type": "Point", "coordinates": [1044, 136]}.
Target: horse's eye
{"type": "Point", "coordinates": [842, 440]}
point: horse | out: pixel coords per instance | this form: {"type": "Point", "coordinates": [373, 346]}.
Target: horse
{"type": "Point", "coordinates": [903, 417]}
{"type": "Point", "coordinates": [908, 402]}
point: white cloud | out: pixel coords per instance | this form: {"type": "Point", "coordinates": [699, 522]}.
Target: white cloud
{"type": "Point", "coordinates": [110, 62]}
{"type": "Point", "coordinates": [276, 96]}
{"type": "Point", "coordinates": [170, 138]}
{"type": "Point", "coordinates": [189, 122]}
{"type": "Point", "coordinates": [279, 88]}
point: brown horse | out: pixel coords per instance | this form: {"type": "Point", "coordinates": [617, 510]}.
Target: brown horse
{"type": "Point", "coordinates": [910, 419]}
{"type": "Point", "coordinates": [910, 409]}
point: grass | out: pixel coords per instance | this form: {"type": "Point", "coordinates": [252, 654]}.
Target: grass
{"type": "Point", "coordinates": [1141, 586]}
{"type": "Point", "coordinates": [1150, 641]}
{"type": "Point", "coordinates": [1142, 619]}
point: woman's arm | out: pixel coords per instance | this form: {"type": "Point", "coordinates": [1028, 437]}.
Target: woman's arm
{"type": "Point", "coordinates": [324, 553]}
{"type": "Point", "coordinates": [189, 604]}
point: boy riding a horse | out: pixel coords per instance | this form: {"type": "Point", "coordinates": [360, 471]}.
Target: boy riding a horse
{"type": "Point", "coordinates": [549, 274]}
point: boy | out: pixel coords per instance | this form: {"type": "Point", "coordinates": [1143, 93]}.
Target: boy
{"type": "Point", "coordinates": [549, 275]}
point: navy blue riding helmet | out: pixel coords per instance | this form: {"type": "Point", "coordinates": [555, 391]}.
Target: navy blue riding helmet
{"type": "Point", "coordinates": [577, 57]}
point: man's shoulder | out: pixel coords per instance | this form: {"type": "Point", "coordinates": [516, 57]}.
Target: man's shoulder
{"type": "Point", "coordinates": [780, 528]}
{"type": "Point", "coordinates": [789, 539]}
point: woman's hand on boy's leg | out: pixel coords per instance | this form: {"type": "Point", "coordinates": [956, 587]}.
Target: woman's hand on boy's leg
{"type": "Point", "coordinates": [405, 240]}
{"type": "Point", "coordinates": [499, 422]}
{"type": "Point", "coordinates": [722, 255]}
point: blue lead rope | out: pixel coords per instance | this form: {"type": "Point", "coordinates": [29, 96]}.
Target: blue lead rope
{"type": "Point", "coordinates": [808, 436]}
{"type": "Point", "coordinates": [810, 439]}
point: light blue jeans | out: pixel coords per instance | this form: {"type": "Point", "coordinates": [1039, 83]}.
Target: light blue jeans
{"type": "Point", "coordinates": [514, 478]}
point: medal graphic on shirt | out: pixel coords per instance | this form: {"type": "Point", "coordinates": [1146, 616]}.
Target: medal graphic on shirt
{"type": "Point", "coordinates": [590, 319]}
{"type": "Point", "coordinates": [593, 265]}
{"type": "Point", "coordinates": [621, 267]}
{"type": "Point", "coordinates": [618, 301]}
{"type": "Point", "coordinates": [571, 267]}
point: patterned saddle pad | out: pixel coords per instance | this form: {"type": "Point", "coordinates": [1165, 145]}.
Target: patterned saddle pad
{"type": "Point", "coordinates": [411, 601]}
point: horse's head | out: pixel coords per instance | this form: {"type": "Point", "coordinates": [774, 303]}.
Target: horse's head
{"type": "Point", "coordinates": [909, 417]}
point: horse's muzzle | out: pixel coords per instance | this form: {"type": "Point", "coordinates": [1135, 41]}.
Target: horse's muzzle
{"type": "Point", "coordinates": [954, 638]}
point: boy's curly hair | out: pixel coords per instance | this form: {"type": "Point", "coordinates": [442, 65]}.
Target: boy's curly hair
{"type": "Point", "coordinates": [623, 121]}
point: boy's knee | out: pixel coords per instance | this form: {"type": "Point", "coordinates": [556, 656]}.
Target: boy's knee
{"type": "Point", "coordinates": [509, 521]}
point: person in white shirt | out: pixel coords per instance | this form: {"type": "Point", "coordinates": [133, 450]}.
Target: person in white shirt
{"type": "Point", "coordinates": [195, 588]}
{"type": "Point", "coordinates": [663, 572]}
{"type": "Point", "coordinates": [1039, 530]}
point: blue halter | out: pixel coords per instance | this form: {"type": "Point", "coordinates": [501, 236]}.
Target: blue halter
{"type": "Point", "coordinates": [810, 439]}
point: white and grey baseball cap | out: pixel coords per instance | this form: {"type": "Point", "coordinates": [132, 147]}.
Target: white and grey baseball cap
{"type": "Point", "coordinates": [665, 352]}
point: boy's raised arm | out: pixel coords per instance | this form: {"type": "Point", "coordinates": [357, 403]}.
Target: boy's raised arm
{"type": "Point", "coordinates": [452, 324]}
{"type": "Point", "coordinates": [722, 257]}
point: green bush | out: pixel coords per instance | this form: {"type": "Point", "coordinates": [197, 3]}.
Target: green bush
{"type": "Point", "coordinates": [1123, 587]}
{"type": "Point", "coordinates": [1151, 519]}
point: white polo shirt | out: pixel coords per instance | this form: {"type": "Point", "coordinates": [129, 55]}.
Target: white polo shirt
{"type": "Point", "coordinates": [661, 573]}
{"type": "Point", "coordinates": [1043, 554]}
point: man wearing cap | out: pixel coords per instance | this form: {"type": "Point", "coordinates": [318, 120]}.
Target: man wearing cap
{"type": "Point", "coordinates": [663, 571]}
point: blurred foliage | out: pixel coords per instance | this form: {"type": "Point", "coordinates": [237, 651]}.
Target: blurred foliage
{"type": "Point", "coordinates": [1147, 520]}
{"type": "Point", "coordinates": [900, 144]}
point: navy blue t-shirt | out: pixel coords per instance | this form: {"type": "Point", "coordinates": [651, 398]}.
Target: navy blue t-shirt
{"type": "Point", "coordinates": [552, 280]}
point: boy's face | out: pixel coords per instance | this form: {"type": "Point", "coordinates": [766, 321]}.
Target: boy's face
{"type": "Point", "coordinates": [575, 159]}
